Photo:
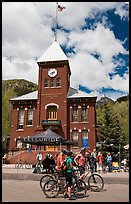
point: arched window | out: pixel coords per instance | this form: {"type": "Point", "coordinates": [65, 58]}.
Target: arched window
{"type": "Point", "coordinates": [30, 116]}
{"type": "Point", "coordinates": [51, 113]}
{"type": "Point", "coordinates": [52, 83]}
{"type": "Point", "coordinates": [75, 114]}
{"type": "Point", "coordinates": [84, 115]}
{"type": "Point", "coordinates": [46, 83]}
{"type": "Point", "coordinates": [21, 119]}
{"type": "Point", "coordinates": [58, 82]}
{"type": "Point", "coordinates": [75, 137]}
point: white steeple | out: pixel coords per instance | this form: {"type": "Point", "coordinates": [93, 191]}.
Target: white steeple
{"type": "Point", "coordinates": [53, 53]}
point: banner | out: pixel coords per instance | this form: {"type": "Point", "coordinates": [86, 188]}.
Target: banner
{"type": "Point", "coordinates": [85, 142]}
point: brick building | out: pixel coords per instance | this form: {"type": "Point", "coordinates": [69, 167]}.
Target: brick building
{"type": "Point", "coordinates": [67, 111]}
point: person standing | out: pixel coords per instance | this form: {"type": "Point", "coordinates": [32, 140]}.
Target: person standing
{"type": "Point", "coordinates": [80, 162]}
{"type": "Point", "coordinates": [60, 160]}
{"type": "Point", "coordinates": [39, 159]}
{"type": "Point", "coordinates": [95, 159]}
{"type": "Point", "coordinates": [52, 164]}
{"type": "Point", "coordinates": [109, 161]}
{"type": "Point", "coordinates": [99, 160]}
{"type": "Point", "coordinates": [92, 162]}
{"type": "Point", "coordinates": [69, 175]}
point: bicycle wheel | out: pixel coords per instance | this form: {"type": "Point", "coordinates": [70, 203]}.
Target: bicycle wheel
{"type": "Point", "coordinates": [28, 166]}
{"type": "Point", "coordinates": [80, 189]}
{"type": "Point", "coordinates": [18, 166]}
{"type": "Point", "coordinates": [44, 179]}
{"type": "Point", "coordinates": [51, 189]}
{"type": "Point", "coordinates": [95, 182]}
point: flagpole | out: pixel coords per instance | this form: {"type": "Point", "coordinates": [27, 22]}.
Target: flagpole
{"type": "Point", "coordinates": [56, 22]}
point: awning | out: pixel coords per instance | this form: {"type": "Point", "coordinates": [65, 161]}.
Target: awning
{"type": "Point", "coordinates": [47, 137]}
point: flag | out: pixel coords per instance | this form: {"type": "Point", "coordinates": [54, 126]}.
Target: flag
{"type": "Point", "coordinates": [60, 8]}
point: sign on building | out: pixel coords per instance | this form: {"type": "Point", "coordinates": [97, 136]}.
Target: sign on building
{"type": "Point", "coordinates": [85, 142]}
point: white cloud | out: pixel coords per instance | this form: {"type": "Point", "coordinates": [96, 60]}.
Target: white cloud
{"type": "Point", "coordinates": [27, 33]}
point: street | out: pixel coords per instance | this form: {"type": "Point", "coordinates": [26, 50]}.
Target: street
{"type": "Point", "coordinates": [30, 191]}
{"type": "Point", "coordinates": [23, 186]}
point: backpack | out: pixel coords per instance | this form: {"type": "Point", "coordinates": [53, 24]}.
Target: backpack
{"type": "Point", "coordinates": [64, 166]}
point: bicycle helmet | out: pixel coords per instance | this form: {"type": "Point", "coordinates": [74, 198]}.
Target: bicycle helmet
{"type": "Point", "coordinates": [68, 153]}
{"type": "Point", "coordinates": [64, 151]}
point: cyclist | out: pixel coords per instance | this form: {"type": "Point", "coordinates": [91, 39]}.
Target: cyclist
{"type": "Point", "coordinates": [60, 160]}
{"type": "Point", "coordinates": [80, 162]}
{"type": "Point", "coordinates": [69, 175]}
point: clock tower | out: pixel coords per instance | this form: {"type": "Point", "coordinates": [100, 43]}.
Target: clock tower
{"type": "Point", "coordinates": [53, 86]}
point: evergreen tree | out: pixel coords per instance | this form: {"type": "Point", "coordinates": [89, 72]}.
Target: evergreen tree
{"type": "Point", "coordinates": [110, 132]}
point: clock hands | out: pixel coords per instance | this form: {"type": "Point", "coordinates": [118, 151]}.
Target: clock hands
{"type": "Point", "coordinates": [52, 72]}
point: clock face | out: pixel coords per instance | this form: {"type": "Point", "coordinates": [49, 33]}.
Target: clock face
{"type": "Point", "coordinates": [52, 72]}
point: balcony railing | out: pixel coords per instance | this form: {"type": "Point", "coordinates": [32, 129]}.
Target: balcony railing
{"type": "Point", "coordinates": [50, 123]}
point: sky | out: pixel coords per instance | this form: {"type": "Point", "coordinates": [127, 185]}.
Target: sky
{"type": "Point", "coordinates": [93, 35]}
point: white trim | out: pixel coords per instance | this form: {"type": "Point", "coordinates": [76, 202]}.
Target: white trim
{"type": "Point", "coordinates": [51, 104]}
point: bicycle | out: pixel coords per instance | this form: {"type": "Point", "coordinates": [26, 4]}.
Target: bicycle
{"type": "Point", "coordinates": [95, 181]}
{"type": "Point", "coordinates": [52, 188]}
{"type": "Point", "coordinates": [28, 166]}
{"type": "Point", "coordinates": [19, 165]}
{"type": "Point", "coordinates": [55, 175]}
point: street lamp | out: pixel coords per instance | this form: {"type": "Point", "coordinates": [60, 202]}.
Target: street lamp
{"type": "Point", "coordinates": [119, 155]}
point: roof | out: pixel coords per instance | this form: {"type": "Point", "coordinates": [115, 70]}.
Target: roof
{"type": "Point", "coordinates": [53, 53]}
{"type": "Point", "coordinates": [72, 93]}
{"type": "Point", "coordinates": [29, 96]}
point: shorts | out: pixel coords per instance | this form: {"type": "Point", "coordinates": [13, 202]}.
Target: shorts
{"type": "Point", "coordinates": [69, 178]}
{"type": "Point", "coordinates": [82, 170]}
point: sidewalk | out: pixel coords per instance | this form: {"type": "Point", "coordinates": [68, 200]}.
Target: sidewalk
{"type": "Point", "coordinates": [10, 168]}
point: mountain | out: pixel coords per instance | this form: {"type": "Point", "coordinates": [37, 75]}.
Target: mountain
{"type": "Point", "coordinates": [18, 86]}
{"type": "Point", "coordinates": [104, 99]}
{"type": "Point", "coordinates": [123, 98]}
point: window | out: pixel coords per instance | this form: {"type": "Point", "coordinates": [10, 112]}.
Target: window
{"type": "Point", "coordinates": [84, 133]}
{"type": "Point", "coordinates": [21, 119]}
{"type": "Point", "coordinates": [85, 138]}
{"type": "Point", "coordinates": [84, 116]}
{"type": "Point", "coordinates": [75, 114]}
{"type": "Point", "coordinates": [52, 83]}
{"type": "Point", "coordinates": [46, 83]}
{"type": "Point", "coordinates": [51, 113]}
{"type": "Point", "coordinates": [18, 143]}
{"type": "Point", "coordinates": [58, 82]}
{"type": "Point", "coordinates": [30, 117]}
{"type": "Point", "coordinates": [75, 138]}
